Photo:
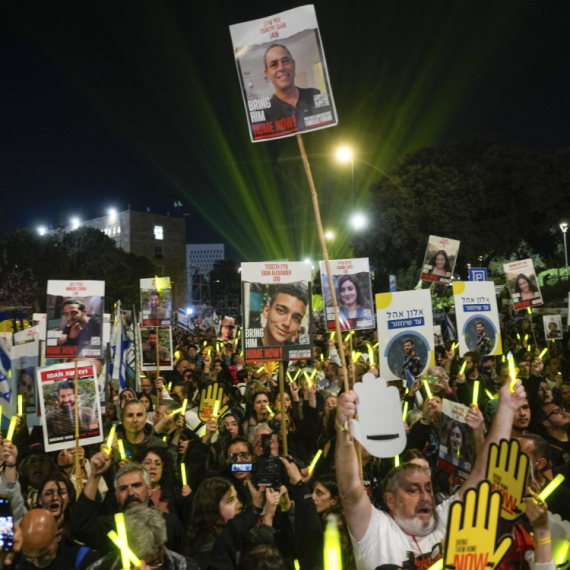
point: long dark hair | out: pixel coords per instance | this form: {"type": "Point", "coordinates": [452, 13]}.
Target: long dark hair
{"type": "Point", "coordinates": [205, 520]}
{"type": "Point", "coordinates": [531, 285]}
{"type": "Point", "coordinates": [60, 478]}
{"type": "Point", "coordinates": [250, 412]}
{"type": "Point", "coordinates": [447, 266]}
{"type": "Point", "coordinates": [352, 278]}
{"type": "Point", "coordinates": [167, 479]}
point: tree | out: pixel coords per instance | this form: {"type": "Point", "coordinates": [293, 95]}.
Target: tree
{"type": "Point", "coordinates": [489, 194]}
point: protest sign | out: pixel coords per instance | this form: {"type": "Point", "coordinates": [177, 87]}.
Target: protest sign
{"type": "Point", "coordinates": [56, 386]}
{"type": "Point", "coordinates": [523, 284]}
{"type": "Point", "coordinates": [440, 258]}
{"type": "Point", "coordinates": [74, 319]}
{"type": "Point", "coordinates": [151, 338]}
{"type": "Point", "coordinates": [457, 446]}
{"type": "Point", "coordinates": [276, 311]}
{"type": "Point", "coordinates": [156, 302]}
{"type": "Point", "coordinates": [283, 74]}
{"type": "Point", "coordinates": [477, 317]}
{"type": "Point", "coordinates": [27, 335]}
{"type": "Point", "coordinates": [24, 363]}
{"type": "Point", "coordinates": [379, 428]}
{"type": "Point", "coordinates": [473, 530]}
{"type": "Point", "coordinates": [227, 329]}
{"type": "Point", "coordinates": [351, 279]}
{"type": "Point", "coordinates": [552, 327]}
{"type": "Point", "coordinates": [405, 333]}
{"type": "Point", "coordinates": [211, 401]}
{"type": "Point", "coordinates": [41, 320]}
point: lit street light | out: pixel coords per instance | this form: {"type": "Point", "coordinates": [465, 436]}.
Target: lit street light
{"type": "Point", "coordinates": [358, 221]}
{"type": "Point", "coordinates": [564, 228]}
{"type": "Point", "coordinates": [112, 214]}
{"type": "Point", "coordinates": [42, 231]}
{"type": "Point", "coordinates": [329, 235]}
{"type": "Point", "coordinates": [75, 223]}
{"type": "Point", "coordinates": [345, 154]}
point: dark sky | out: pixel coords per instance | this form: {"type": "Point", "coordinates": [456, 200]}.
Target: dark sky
{"type": "Point", "coordinates": [115, 103]}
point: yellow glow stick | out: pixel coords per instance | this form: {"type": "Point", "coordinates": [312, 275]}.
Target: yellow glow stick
{"type": "Point", "coordinates": [313, 373]}
{"type": "Point", "coordinates": [205, 343]}
{"type": "Point", "coordinates": [289, 377]}
{"type": "Point", "coordinates": [512, 373]}
{"type": "Point", "coordinates": [269, 410]}
{"type": "Point", "coordinates": [503, 358]}
{"type": "Point", "coordinates": [0, 414]}
{"type": "Point", "coordinates": [307, 378]}
{"type": "Point", "coordinates": [122, 530]}
{"type": "Point", "coordinates": [454, 345]}
{"type": "Point", "coordinates": [346, 337]}
{"type": "Point", "coordinates": [164, 438]}
{"type": "Point", "coordinates": [529, 310]}
{"type": "Point", "coordinates": [123, 547]}
{"type": "Point", "coordinates": [333, 556]}
{"type": "Point", "coordinates": [475, 392]}
{"type": "Point", "coordinates": [405, 412]}
{"type": "Point", "coordinates": [489, 395]}
{"type": "Point", "coordinates": [297, 374]}
{"type": "Point", "coordinates": [296, 564]}
{"type": "Point", "coordinates": [121, 447]}
{"type": "Point", "coordinates": [541, 355]}
{"type": "Point", "coordinates": [110, 440]}
{"type": "Point", "coordinates": [201, 431]}
{"type": "Point", "coordinates": [20, 405]}
{"type": "Point", "coordinates": [12, 427]}
{"type": "Point", "coordinates": [370, 354]}
{"type": "Point", "coordinates": [518, 336]}
{"type": "Point", "coordinates": [184, 405]}
{"type": "Point", "coordinates": [426, 386]}
{"type": "Point", "coordinates": [332, 335]}
{"type": "Point", "coordinates": [549, 489]}
{"type": "Point", "coordinates": [177, 354]}
{"type": "Point", "coordinates": [236, 341]}
{"type": "Point", "coordinates": [397, 461]}
{"type": "Point", "coordinates": [260, 369]}
{"type": "Point", "coordinates": [463, 368]}
{"type": "Point", "coordinates": [314, 462]}
{"type": "Point", "coordinates": [183, 469]}
{"type": "Point", "coordinates": [562, 554]}
{"type": "Point", "coordinates": [437, 565]}
{"type": "Point", "coordinates": [528, 347]}
{"type": "Point", "coordinates": [526, 336]}
{"type": "Point", "coordinates": [169, 386]}
{"type": "Point", "coordinates": [322, 357]}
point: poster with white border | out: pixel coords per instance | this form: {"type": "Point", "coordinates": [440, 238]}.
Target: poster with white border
{"type": "Point", "coordinates": [283, 74]}
{"type": "Point", "coordinates": [156, 302]}
{"type": "Point", "coordinates": [150, 337]}
{"type": "Point", "coordinates": [477, 317]}
{"type": "Point", "coordinates": [353, 288]}
{"type": "Point", "coordinates": [74, 319]}
{"type": "Point", "coordinates": [523, 284]}
{"type": "Point", "coordinates": [439, 260]}
{"type": "Point", "coordinates": [552, 327]}
{"type": "Point", "coordinates": [277, 311]}
{"type": "Point", "coordinates": [405, 333]}
{"type": "Point", "coordinates": [24, 359]}
{"type": "Point", "coordinates": [56, 392]}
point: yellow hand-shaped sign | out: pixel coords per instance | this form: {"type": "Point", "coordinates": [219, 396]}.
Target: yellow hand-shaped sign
{"type": "Point", "coordinates": [471, 542]}
{"type": "Point", "coordinates": [271, 367]}
{"type": "Point", "coordinates": [507, 471]}
{"type": "Point", "coordinates": [211, 403]}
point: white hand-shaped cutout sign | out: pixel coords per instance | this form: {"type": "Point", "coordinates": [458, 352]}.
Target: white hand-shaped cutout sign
{"type": "Point", "coordinates": [379, 428]}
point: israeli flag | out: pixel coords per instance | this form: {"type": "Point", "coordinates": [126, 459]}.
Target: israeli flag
{"type": "Point", "coordinates": [119, 346]}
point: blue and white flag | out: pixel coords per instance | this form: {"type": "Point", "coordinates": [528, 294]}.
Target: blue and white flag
{"type": "Point", "coordinates": [451, 329]}
{"type": "Point", "coordinates": [6, 383]}
{"type": "Point", "coordinates": [119, 346]}
{"type": "Point", "coordinates": [184, 321]}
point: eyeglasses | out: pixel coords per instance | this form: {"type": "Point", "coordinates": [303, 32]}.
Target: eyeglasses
{"type": "Point", "coordinates": [241, 455]}
{"type": "Point", "coordinates": [555, 411]}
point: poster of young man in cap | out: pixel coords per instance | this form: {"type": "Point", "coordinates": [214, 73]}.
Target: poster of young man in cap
{"type": "Point", "coordinates": [74, 319]}
{"type": "Point", "coordinates": [440, 258]}
{"type": "Point", "coordinates": [283, 74]}
{"type": "Point", "coordinates": [523, 284]}
{"type": "Point", "coordinates": [56, 385]}
{"type": "Point", "coordinates": [156, 302]}
{"type": "Point", "coordinates": [276, 311]}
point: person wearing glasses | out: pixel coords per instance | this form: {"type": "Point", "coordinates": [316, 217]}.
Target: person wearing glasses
{"type": "Point", "coordinates": [556, 423]}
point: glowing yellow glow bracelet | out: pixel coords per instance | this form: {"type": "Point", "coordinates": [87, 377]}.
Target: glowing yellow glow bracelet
{"type": "Point", "coordinates": [12, 427]}
{"type": "Point", "coordinates": [549, 489]}
{"type": "Point", "coordinates": [314, 462]}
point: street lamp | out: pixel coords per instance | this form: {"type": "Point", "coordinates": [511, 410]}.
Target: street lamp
{"type": "Point", "coordinates": [42, 231]}
{"type": "Point", "coordinates": [358, 221]}
{"type": "Point", "coordinates": [329, 236]}
{"type": "Point", "coordinates": [564, 228]}
{"type": "Point", "coordinates": [75, 223]}
{"type": "Point", "coordinates": [112, 215]}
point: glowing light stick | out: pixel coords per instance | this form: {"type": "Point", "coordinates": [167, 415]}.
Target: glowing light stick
{"type": "Point", "coordinates": [110, 440]}
{"type": "Point", "coordinates": [528, 347]}
{"type": "Point", "coordinates": [333, 556]}
{"type": "Point", "coordinates": [289, 378]}
{"type": "Point", "coordinates": [503, 358]}
{"type": "Point", "coordinates": [313, 373]}
{"type": "Point", "coordinates": [518, 336]}
{"type": "Point", "coordinates": [296, 564]}
{"type": "Point", "coordinates": [397, 461]}
{"type": "Point", "coordinates": [314, 462]}
{"type": "Point", "coordinates": [297, 374]}
{"type": "Point", "coordinates": [20, 405]}
{"type": "Point", "coordinates": [529, 310]}
{"type": "Point", "coordinates": [177, 354]}
{"type": "Point", "coordinates": [426, 386]}
{"type": "Point", "coordinates": [549, 489]}
{"type": "Point", "coordinates": [260, 369]}
{"type": "Point", "coordinates": [120, 545]}
{"type": "Point", "coordinates": [370, 354]}
{"type": "Point", "coordinates": [183, 469]}
{"type": "Point", "coordinates": [121, 447]}
{"type": "Point", "coordinates": [526, 336]}
{"type": "Point", "coordinates": [405, 412]}
{"type": "Point", "coordinates": [375, 346]}
{"type": "Point", "coordinates": [463, 368]}
{"type": "Point", "coordinates": [489, 395]}
{"type": "Point", "coordinates": [541, 355]}
{"type": "Point", "coordinates": [12, 427]}
{"type": "Point", "coordinates": [0, 414]}
{"type": "Point", "coordinates": [269, 410]}
{"type": "Point", "coordinates": [562, 553]}
{"type": "Point", "coordinates": [308, 379]}
{"type": "Point", "coordinates": [437, 565]}
{"type": "Point", "coordinates": [332, 335]}
{"type": "Point", "coordinates": [475, 392]}
{"type": "Point", "coordinates": [512, 372]}
{"type": "Point", "coordinates": [184, 405]}
{"type": "Point", "coordinates": [322, 357]}
{"type": "Point", "coordinates": [122, 530]}
{"type": "Point", "coordinates": [169, 386]}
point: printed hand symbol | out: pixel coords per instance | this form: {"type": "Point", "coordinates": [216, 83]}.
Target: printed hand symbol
{"type": "Point", "coordinates": [211, 403]}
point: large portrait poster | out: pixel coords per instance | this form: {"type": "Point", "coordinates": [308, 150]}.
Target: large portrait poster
{"type": "Point", "coordinates": [283, 74]}
{"type": "Point", "coordinates": [440, 258]}
{"type": "Point", "coordinates": [276, 311]}
{"type": "Point", "coordinates": [74, 319]}
{"type": "Point", "coordinates": [25, 361]}
{"type": "Point", "coordinates": [353, 288]}
{"type": "Point", "coordinates": [477, 317]}
{"type": "Point", "coordinates": [405, 333]}
{"type": "Point", "coordinates": [457, 443]}
{"type": "Point", "coordinates": [156, 302]}
{"type": "Point", "coordinates": [552, 327]}
{"type": "Point", "coordinates": [156, 348]}
{"type": "Point", "coordinates": [57, 401]}
{"type": "Point", "coordinates": [523, 284]}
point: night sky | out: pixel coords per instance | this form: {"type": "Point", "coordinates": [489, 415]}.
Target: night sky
{"type": "Point", "coordinates": [106, 104]}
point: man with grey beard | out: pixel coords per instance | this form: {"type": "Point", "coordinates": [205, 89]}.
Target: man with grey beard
{"type": "Point", "coordinates": [410, 534]}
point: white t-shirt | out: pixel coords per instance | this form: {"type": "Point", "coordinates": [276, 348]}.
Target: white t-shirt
{"type": "Point", "coordinates": [386, 543]}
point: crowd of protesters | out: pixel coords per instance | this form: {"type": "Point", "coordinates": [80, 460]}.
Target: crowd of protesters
{"type": "Point", "coordinates": [219, 519]}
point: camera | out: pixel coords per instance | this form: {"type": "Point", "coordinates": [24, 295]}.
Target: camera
{"type": "Point", "coordinates": [267, 469]}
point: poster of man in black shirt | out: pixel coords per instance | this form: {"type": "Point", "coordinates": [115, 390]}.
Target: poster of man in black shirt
{"type": "Point", "coordinates": [283, 74]}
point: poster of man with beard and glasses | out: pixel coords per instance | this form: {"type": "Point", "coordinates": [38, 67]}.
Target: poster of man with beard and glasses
{"type": "Point", "coordinates": [456, 442]}
{"type": "Point", "coordinates": [56, 386]}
